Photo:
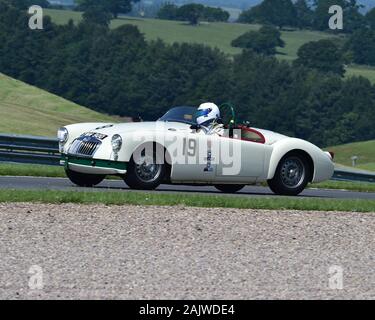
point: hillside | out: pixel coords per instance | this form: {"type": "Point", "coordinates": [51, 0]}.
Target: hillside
{"type": "Point", "coordinates": [25, 109]}
{"type": "Point", "coordinates": [365, 151]}
{"type": "Point", "coordinates": [218, 35]}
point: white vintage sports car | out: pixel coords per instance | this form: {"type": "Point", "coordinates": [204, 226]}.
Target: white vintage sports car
{"type": "Point", "coordinates": [175, 150]}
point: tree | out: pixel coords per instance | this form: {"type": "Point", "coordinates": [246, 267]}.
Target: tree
{"type": "Point", "coordinates": [24, 4]}
{"type": "Point", "coordinates": [215, 14]}
{"type": "Point", "coordinates": [168, 12]}
{"type": "Point", "coordinates": [277, 12]}
{"type": "Point", "coordinates": [263, 41]}
{"type": "Point", "coordinates": [361, 46]}
{"type": "Point", "coordinates": [191, 12]}
{"type": "Point", "coordinates": [97, 14]}
{"type": "Point", "coordinates": [304, 14]}
{"type": "Point", "coordinates": [113, 6]}
{"type": "Point", "coordinates": [322, 55]}
{"type": "Point", "coordinates": [353, 19]}
{"type": "Point", "coordinates": [120, 6]}
{"type": "Point", "coordinates": [370, 18]}
{"type": "Point", "coordinates": [267, 86]}
{"type": "Point", "coordinates": [321, 14]}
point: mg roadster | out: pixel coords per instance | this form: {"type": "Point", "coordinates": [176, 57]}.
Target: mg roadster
{"type": "Point", "coordinates": [175, 150]}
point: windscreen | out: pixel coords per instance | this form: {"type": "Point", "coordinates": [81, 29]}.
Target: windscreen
{"type": "Point", "coordinates": [180, 114]}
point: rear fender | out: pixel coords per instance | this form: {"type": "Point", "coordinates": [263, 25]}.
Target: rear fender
{"type": "Point", "coordinates": [319, 159]}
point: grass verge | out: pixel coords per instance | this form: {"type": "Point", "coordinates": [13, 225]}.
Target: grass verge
{"type": "Point", "coordinates": [31, 170]}
{"type": "Point", "coordinates": [345, 185]}
{"type": "Point", "coordinates": [364, 150]}
{"type": "Point", "coordinates": [208, 201]}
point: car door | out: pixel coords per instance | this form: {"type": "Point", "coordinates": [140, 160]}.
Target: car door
{"type": "Point", "coordinates": [241, 157]}
{"type": "Point", "coordinates": [191, 158]}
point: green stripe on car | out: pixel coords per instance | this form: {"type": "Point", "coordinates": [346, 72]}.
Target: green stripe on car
{"type": "Point", "coordinates": [95, 162]}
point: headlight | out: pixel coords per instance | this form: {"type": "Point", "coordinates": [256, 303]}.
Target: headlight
{"type": "Point", "coordinates": [116, 142]}
{"type": "Point", "coordinates": [62, 135]}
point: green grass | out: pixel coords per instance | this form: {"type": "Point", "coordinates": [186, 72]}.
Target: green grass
{"type": "Point", "coordinates": [219, 35]}
{"type": "Point", "coordinates": [35, 170]}
{"type": "Point", "coordinates": [364, 150]}
{"type": "Point", "coordinates": [345, 185]}
{"type": "Point", "coordinates": [25, 109]}
{"type": "Point", "coordinates": [137, 198]}
{"type": "Point", "coordinates": [364, 71]}
{"type": "Point", "coordinates": [31, 170]}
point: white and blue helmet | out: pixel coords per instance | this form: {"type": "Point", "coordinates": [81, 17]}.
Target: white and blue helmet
{"type": "Point", "coordinates": [207, 112]}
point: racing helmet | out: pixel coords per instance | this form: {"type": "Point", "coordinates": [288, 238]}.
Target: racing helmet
{"type": "Point", "coordinates": [207, 112]}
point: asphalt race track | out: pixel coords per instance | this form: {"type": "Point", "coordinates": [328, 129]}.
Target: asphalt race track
{"type": "Point", "coordinates": [118, 185]}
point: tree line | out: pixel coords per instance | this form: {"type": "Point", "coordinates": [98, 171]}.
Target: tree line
{"type": "Point", "coordinates": [322, 55]}
{"type": "Point", "coordinates": [109, 8]}
{"type": "Point", "coordinates": [358, 46]}
{"type": "Point", "coordinates": [306, 14]}
{"type": "Point", "coordinates": [118, 72]}
{"type": "Point", "coordinates": [192, 13]}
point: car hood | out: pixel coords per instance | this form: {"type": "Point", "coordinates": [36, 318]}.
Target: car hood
{"type": "Point", "coordinates": [119, 128]}
{"type": "Point", "coordinates": [139, 127]}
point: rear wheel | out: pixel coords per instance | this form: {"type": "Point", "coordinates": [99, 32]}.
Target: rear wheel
{"type": "Point", "coordinates": [229, 188]}
{"type": "Point", "coordinates": [291, 176]}
{"type": "Point", "coordinates": [83, 179]}
{"type": "Point", "coordinates": [145, 173]}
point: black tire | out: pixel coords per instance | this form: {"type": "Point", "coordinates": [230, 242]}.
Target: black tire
{"type": "Point", "coordinates": [291, 176]}
{"type": "Point", "coordinates": [229, 188]}
{"type": "Point", "coordinates": [83, 179]}
{"type": "Point", "coordinates": [143, 176]}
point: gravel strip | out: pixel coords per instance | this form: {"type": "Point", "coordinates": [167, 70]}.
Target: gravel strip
{"type": "Point", "coordinates": [149, 252]}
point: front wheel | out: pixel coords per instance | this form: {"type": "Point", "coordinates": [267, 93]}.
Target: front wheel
{"type": "Point", "coordinates": [84, 180]}
{"type": "Point", "coordinates": [229, 188]}
{"type": "Point", "coordinates": [291, 176]}
{"type": "Point", "coordinates": [146, 172]}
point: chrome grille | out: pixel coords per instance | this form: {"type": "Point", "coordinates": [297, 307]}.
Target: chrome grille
{"type": "Point", "coordinates": [84, 146]}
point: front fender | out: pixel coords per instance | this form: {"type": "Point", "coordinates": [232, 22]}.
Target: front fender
{"type": "Point", "coordinates": [132, 141]}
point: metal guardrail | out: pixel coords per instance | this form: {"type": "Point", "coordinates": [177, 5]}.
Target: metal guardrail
{"type": "Point", "coordinates": [42, 150]}
{"type": "Point", "coordinates": [29, 149]}
{"type": "Point", "coordinates": [346, 175]}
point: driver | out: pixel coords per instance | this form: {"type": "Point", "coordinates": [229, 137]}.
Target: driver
{"type": "Point", "coordinates": [208, 118]}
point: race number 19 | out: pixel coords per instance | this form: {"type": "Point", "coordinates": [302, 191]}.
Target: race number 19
{"type": "Point", "coordinates": [189, 147]}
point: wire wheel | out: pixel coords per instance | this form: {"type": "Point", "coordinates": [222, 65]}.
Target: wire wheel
{"type": "Point", "coordinates": [292, 172]}
{"type": "Point", "coordinates": [292, 175]}
{"type": "Point", "coordinates": [147, 170]}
